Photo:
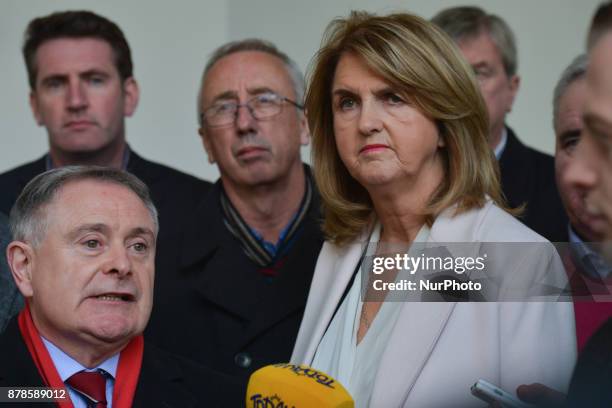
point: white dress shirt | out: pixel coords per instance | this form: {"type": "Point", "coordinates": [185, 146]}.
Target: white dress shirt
{"type": "Point", "coordinates": [66, 366]}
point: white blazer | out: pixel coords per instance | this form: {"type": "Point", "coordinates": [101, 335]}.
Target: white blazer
{"type": "Point", "coordinates": [438, 350]}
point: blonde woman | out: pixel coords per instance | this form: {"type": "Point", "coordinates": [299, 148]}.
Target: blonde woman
{"type": "Point", "coordinates": [400, 156]}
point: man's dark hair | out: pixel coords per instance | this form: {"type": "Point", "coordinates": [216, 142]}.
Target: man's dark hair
{"type": "Point", "coordinates": [75, 24]}
{"type": "Point", "coordinates": [601, 23]}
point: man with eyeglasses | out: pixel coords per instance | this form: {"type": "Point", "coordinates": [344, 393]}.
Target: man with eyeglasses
{"type": "Point", "coordinates": [250, 250]}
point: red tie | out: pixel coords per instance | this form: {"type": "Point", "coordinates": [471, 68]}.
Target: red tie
{"type": "Point", "coordinates": [91, 385]}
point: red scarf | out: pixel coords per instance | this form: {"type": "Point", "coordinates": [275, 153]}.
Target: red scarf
{"type": "Point", "coordinates": [128, 370]}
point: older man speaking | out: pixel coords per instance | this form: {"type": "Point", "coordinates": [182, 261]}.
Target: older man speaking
{"type": "Point", "coordinates": [83, 258]}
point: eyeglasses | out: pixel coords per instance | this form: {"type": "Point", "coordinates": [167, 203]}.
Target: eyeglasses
{"type": "Point", "coordinates": [261, 107]}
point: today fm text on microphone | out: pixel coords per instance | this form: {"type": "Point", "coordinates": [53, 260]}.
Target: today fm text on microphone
{"type": "Point", "coordinates": [295, 386]}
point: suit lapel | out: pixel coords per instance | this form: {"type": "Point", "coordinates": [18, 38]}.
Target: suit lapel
{"type": "Point", "coordinates": [412, 342]}
{"type": "Point", "coordinates": [16, 365]}
{"type": "Point", "coordinates": [516, 171]}
{"type": "Point", "coordinates": [336, 270]}
{"type": "Point", "coordinates": [212, 260]}
{"type": "Point", "coordinates": [29, 172]}
{"type": "Point", "coordinates": [203, 234]}
{"type": "Point", "coordinates": [293, 284]}
{"type": "Point", "coordinates": [420, 324]}
{"type": "Point", "coordinates": [144, 170]}
{"type": "Point", "coordinates": [161, 383]}
{"type": "Point", "coordinates": [228, 281]}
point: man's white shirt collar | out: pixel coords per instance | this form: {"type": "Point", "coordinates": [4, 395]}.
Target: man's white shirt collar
{"type": "Point", "coordinates": [499, 149]}
{"type": "Point", "coordinates": [66, 367]}
{"type": "Point", "coordinates": [597, 267]}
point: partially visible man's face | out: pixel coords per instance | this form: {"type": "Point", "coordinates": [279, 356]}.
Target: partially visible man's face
{"type": "Point", "coordinates": [592, 170]}
{"type": "Point", "coordinates": [568, 130]}
{"type": "Point", "coordinates": [498, 90]}
{"type": "Point", "coordinates": [79, 96]}
{"type": "Point", "coordinates": [252, 152]}
{"type": "Point", "coordinates": [92, 273]}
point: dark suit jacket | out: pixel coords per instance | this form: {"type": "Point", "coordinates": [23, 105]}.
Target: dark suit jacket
{"type": "Point", "coordinates": [165, 380]}
{"type": "Point", "coordinates": [175, 195]}
{"type": "Point", "coordinates": [528, 176]}
{"type": "Point", "coordinates": [219, 310]}
{"type": "Point", "coordinates": [591, 384]}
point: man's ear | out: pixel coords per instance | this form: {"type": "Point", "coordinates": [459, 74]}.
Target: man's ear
{"type": "Point", "coordinates": [304, 129]}
{"type": "Point", "coordinates": [206, 143]}
{"type": "Point", "coordinates": [20, 257]}
{"type": "Point", "coordinates": [35, 109]}
{"type": "Point", "coordinates": [514, 83]}
{"type": "Point", "coordinates": [131, 95]}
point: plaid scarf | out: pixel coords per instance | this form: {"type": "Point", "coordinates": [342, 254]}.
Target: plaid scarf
{"type": "Point", "coordinates": [251, 245]}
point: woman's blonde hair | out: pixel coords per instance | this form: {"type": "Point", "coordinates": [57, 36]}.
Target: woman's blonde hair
{"type": "Point", "coordinates": [424, 65]}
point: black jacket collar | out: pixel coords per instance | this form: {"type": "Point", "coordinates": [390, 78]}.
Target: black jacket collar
{"type": "Point", "coordinates": [16, 365]}
{"type": "Point", "coordinates": [213, 262]}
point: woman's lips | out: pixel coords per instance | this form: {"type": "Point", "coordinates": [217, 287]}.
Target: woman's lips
{"type": "Point", "coordinates": [373, 148]}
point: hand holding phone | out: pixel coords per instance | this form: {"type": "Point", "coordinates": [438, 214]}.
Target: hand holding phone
{"type": "Point", "coordinates": [491, 393]}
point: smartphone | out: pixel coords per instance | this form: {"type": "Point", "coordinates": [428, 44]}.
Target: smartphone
{"type": "Point", "coordinates": [491, 393]}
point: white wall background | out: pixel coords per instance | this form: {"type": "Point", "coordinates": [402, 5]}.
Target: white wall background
{"type": "Point", "coordinates": [170, 42]}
